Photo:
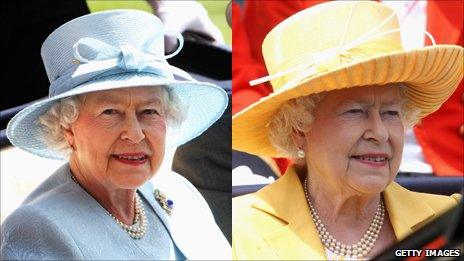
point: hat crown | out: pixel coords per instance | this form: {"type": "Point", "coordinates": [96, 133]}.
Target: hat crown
{"type": "Point", "coordinates": [117, 28]}
{"type": "Point", "coordinates": [326, 27]}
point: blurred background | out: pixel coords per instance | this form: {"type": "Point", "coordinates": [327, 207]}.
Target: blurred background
{"type": "Point", "coordinates": [216, 11]}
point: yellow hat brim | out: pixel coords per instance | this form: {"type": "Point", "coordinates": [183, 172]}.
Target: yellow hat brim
{"type": "Point", "coordinates": [431, 75]}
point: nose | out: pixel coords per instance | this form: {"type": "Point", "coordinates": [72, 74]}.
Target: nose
{"type": "Point", "coordinates": [133, 131]}
{"type": "Point", "coordinates": [376, 131]}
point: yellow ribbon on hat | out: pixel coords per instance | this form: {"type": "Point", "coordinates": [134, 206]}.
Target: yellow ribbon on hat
{"type": "Point", "coordinates": [308, 65]}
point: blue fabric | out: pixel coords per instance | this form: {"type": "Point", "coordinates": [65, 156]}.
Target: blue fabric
{"type": "Point", "coordinates": [59, 220]}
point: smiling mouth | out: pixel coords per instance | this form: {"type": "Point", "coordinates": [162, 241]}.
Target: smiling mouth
{"type": "Point", "coordinates": [131, 159]}
{"type": "Point", "coordinates": [134, 158]}
{"type": "Point", "coordinates": [373, 159]}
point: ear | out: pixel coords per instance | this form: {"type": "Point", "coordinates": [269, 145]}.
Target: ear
{"type": "Point", "coordinates": [69, 136]}
{"type": "Point", "coordinates": [299, 139]}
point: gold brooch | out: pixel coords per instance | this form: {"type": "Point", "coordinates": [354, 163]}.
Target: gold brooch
{"type": "Point", "coordinates": [164, 202]}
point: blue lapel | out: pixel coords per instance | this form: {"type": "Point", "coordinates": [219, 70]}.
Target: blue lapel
{"type": "Point", "coordinates": [170, 223]}
{"type": "Point", "coordinates": [191, 224]}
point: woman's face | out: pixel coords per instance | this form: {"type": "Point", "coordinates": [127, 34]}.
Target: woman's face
{"type": "Point", "coordinates": [119, 136]}
{"type": "Point", "coordinates": [356, 138]}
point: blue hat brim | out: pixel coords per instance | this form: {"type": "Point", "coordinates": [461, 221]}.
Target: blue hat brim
{"type": "Point", "coordinates": [205, 104]}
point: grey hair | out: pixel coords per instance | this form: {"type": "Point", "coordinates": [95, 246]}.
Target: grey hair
{"type": "Point", "coordinates": [66, 111]}
{"type": "Point", "coordinates": [296, 115]}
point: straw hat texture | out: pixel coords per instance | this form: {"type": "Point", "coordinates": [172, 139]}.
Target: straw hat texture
{"type": "Point", "coordinates": [339, 45]}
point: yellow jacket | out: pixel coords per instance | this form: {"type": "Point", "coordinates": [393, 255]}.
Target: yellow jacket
{"type": "Point", "coordinates": [274, 223]}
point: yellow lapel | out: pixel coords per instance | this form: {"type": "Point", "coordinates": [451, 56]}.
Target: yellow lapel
{"type": "Point", "coordinates": [298, 239]}
{"type": "Point", "coordinates": [407, 211]}
{"type": "Point", "coordinates": [285, 200]}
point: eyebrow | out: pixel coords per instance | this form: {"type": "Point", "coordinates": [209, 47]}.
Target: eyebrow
{"type": "Point", "coordinates": [365, 102]}
{"type": "Point", "coordinates": [112, 98]}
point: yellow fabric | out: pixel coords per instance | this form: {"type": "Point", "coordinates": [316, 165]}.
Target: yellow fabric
{"type": "Point", "coordinates": [274, 223]}
{"type": "Point", "coordinates": [308, 46]}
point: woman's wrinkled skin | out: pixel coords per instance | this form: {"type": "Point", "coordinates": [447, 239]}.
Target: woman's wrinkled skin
{"type": "Point", "coordinates": [353, 151]}
{"type": "Point", "coordinates": [119, 144]}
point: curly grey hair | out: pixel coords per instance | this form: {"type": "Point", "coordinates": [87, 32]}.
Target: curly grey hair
{"type": "Point", "coordinates": [66, 111]}
{"type": "Point", "coordinates": [296, 115]}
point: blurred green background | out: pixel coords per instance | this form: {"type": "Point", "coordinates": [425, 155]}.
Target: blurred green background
{"type": "Point", "coordinates": [216, 11]}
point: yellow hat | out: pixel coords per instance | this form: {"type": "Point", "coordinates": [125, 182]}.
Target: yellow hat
{"type": "Point", "coordinates": [339, 45]}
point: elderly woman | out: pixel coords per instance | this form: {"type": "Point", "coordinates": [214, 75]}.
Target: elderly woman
{"type": "Point", "coordinates": [344, 92]}
{"type": "Point", "coordinates": [115, 104]}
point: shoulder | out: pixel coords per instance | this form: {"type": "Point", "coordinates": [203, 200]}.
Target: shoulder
{"type": "Point", "coordinates": [242, 205]}
{"type": "Point", "coordinates": [254, 214]}
{"type": "Point", "coordinates": [253, 217]}
{"type": "Point", "coordinates": [51, 196]}
{"type": "Point", "coordinates": [175, 182]}
{"type": "Point", "coordinates": [409, 210]}
{"type": "Point", "coordinates": [26, 215]}
{"type": "Point", "coordinates": [245, 217]}
{"type": "Point", "coordinates": [439, 203]}
{"type": "Point", "coordinates": [39, 228]}
{"type": "Point", "coordinates": [59, 182]}
{"type": "Point", "coordinates": [179, 188]}
{"type": "Point", "coordinates": [251, 226]}
{"type": "Point", "coordinates": [180, 181]}
{"type": "Point", "coordinates": [31, 232]}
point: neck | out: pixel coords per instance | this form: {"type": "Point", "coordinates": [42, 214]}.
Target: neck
{"type": "Point", "coordinates": [345, 213]}
{"type": "Point", "coordinates": [343, 207]}
{"type": "Point", "coordinates": [119, 202]}
{"type": "Point", "coordinates": [336, 198]}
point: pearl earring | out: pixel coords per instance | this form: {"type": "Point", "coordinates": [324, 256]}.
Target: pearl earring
{"type": "Point", "coordinates": [301, 154]}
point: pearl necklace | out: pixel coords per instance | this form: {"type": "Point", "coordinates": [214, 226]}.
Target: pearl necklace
{"type": "Point", "coordinates": [139, 228]}
{"type": "Point", "coordinates": [362, 247]}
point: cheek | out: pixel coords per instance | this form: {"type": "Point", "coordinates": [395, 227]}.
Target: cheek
{"type": "Point", "coordinates": [88, 131]}
{"type": "Point", "coordinates": [92, 154]}
{"type": "Point", "coordinates": [332, 141]}
{"type": "Point", "coordinates": [397, 140]}
{"type": "Point", "coordinates": [155, 127]}
{"type": "Point", "coordinates": [155, 133]}
{"type": "Point", "coordinates": [344, 136]}
{"type": "Point", "coordinates": [156, 138]}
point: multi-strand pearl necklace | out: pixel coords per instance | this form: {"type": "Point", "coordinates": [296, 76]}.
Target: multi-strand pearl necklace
{"type": "Point", "coordinates": [362, 247]}
{"type": "Point", "coordinates": [139, 228]}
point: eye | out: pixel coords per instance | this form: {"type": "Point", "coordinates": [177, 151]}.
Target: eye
{"type": "Point", "coordinates": [150, 112]}
{"type": "Point", "coordinates": [354, 111]}
{"type": "Point", "coordinates": [393, 113]}
{"type": "Point", "coordinates": [110, 111]}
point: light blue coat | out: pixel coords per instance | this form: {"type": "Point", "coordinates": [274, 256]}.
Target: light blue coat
{"type": "Point", "coordinates": [59, 220]}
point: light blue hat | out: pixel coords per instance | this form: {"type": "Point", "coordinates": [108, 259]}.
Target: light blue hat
{"type": "Point", "coordinates": [109, 50]}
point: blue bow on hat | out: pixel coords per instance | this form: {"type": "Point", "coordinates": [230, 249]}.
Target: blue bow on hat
{"type": "Point", "coordinates": [102, 59]}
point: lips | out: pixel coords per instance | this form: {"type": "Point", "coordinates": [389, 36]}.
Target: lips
{"type": "Point", "coordinates": [372, 159]}
{"type": "Point", "coordinates": [141, 157]}
{"type": "Point", "coordinates": [136, 158]}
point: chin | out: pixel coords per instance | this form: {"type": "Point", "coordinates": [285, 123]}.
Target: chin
{"type": "Point", "coordinates": [131, 185]}
{"type": "Point", "coordinates": [369, 184]}
{"type": "Point", "coordinates": [131, 180]}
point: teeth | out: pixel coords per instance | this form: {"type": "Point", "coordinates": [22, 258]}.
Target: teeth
{"type": "Point", "coordinates": [375, 159]}
{"type": "Point", "coordinates": [131, 157]}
